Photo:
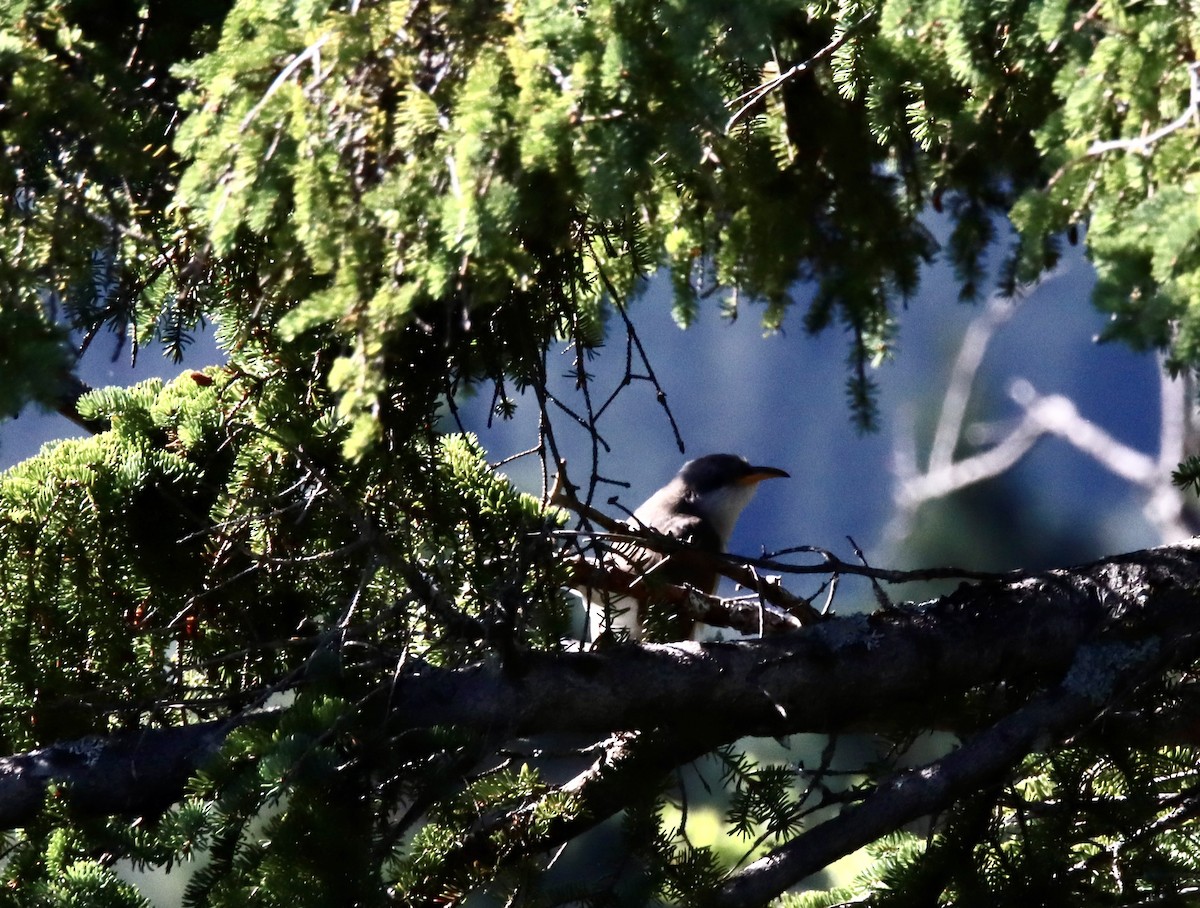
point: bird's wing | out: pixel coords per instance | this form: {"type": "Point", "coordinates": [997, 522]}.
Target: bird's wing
{"type": "Point", "coordinates": [691, 567]}
{"type": "Point", "coordinates": [616, 615]}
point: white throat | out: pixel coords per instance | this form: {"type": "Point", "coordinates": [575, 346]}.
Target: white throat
{"type": "Point", "coordinates": [723, 506]}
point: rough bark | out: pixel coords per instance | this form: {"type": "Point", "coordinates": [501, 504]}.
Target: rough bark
{"type": "Point", "coordinates": [908, 665]}
{"type": "Point", "coordinates": [126, 775]}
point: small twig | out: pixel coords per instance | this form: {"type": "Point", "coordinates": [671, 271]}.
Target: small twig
{"type": "Point", "coordinates": [756, 94]}
{"type": "Point", "coordinates": [511, 457]}
{"type": "Point", "coordinates": [1143, 145]}
{"type": "Point", "coordinates": [749, 616]}
{"type": "Point", "coordinates": [882, 598]}
{"type": "Point", "coordinates": [583, 384]}
{"type": "Point", "coordinates": [631, 332]}
{"type": "Point", "coordinates": [833, 585]}
{"type": "Point", "coordinates": [832, 563]}
{"type": "Point", "coordinates": [312, 52]}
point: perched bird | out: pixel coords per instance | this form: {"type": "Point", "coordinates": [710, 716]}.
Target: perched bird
{"type": "Point", "coordinates": [699, 507]}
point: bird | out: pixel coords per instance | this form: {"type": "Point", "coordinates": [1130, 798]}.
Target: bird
{"type": "Point", "coordinates": [698, 507]}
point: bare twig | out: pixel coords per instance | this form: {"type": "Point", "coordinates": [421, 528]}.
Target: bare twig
{"type": "Point", "coordinates": [1144, 144]}
{"type": "Point", "coordinates": [312, 52]}
{"type": "Point", "coordinates": [749, 99]}
{"type": "Point", "coordinates": [749, 616]}
{"type": "Point", "coordinates": [659, 394]}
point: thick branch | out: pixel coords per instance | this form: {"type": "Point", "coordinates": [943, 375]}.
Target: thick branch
{"type": "Point", "coordinates": [130, 775]}
{"type": "Point", "coordinates": [914, 793]}
{"type": "Point", "coordinates": [896, 667]}
{"type": "Point", "coordinates": [895, 670]}
{"type": "Point", "coordinates": [628, 769]}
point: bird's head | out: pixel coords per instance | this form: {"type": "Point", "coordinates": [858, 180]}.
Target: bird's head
{"type": "Point", "coordinates": [719, 486]}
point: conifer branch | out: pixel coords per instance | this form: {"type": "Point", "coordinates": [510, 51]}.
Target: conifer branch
{"type": "Point", "coordinates": [1145, 144]}
{"type": "Point", "coordinates": [1098, 670]}
{"type": "Point", "coordinates": [749, 99]}
{"type": "Point", "coordinates": [133, 774]}
{"type": "Point", "coordinates": [628, 769]}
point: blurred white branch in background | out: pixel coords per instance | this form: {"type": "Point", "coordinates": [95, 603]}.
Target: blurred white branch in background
{"type": "Point", "coordinates": [997, 447]}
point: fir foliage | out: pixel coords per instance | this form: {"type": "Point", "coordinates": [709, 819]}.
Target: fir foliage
{"type": "Point", "coordinates": [383, 205]}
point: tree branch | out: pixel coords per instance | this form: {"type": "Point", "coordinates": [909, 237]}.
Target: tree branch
{"type": "Point", "coordinates": [131, 774]}
{"type": "Point", "coordinates": [914, 793]}
{"type": "Point", "coordinates": [899, 669]}
{"type": "Point", "coordinates": [1144, 144]}
{"type": "Point", "coordinates": [1043, 415]}
{"type": "Point", "coordinates": [851, 672]}
{"type": "Point", "coordinates": [749, 99]}
{"type": "Point", "coordinates": [628, 769]}
{"type": "Point", "coordinates": [975, 343]}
